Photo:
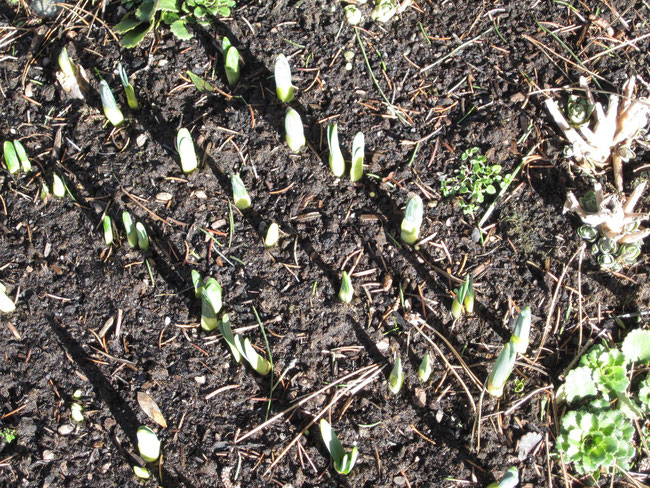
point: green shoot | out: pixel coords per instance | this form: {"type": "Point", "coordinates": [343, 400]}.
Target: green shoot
{"type": "Point", "coordinates": [412, 220]}
{"type": "Point", "coordinates": [148, 444]}
{"type": "Point", "coordinates": [77, 412]}
{"type": "Point", "coordinates": [22, 156]}
{"type": "Point", "coordinates": [111, 110]}
{"type": "Point", "coordinates": [142, 473]}
{"type": "Point", "coordinates": [67, 67]}
{"type": "Point", "coordinates": [185, 148]}
{"type": "Point", "coordinates": [231, 55]}
{"type": "Point", "coordinates": [257, 362]}
{"type": "Point", "coordinates": [239, 193]}
{"type": "Point", "coordinates": [129, 227]}
{"type": "Point", "coordinates": [108, 230]}
{"type": "Point", "coordinates": [6, 304]}
{"type": "Point", "coordinates": [294, 130]}
{"type": "Point", "coordinates": [197, 283]}
{"type": "Point", "coordinates": [510, 479]}
{"type": "Point", "coordinates": [343, 461]}
{"type": "Point", "coordinates": [521, 333]}
{"type": "Point", "coordinates": [210, 304]}
{"type": "Point", "coordinates": [283, 86]}
{"type": "Point", "coordinates": [8, 434]}
{"type": "Point", "coordinates": [396, 378]}
{"type": "Point", "coordinates": [143, 238]}
{"type": "Point", "coordinates": [358, 148]}
{"type": "Point", "coordinates": [337, 163]}
{"type": "Point", "coordinates": [424, 371]}
{"type": "Point", "coordinates": [58, 186]}
{"type": "Point", "coordinates": [226, 332]}
{"type": "Point", "coordinates": [11, 158]}
{"type": "Point", "coordinates": [128, 88]}
{"type": "Point", "coordinates": [346, 293]}
{"type": "Point", "coordinates": [272, 235]}
{"type": "Point", "coordinates": [501, 370]}
{"type": "Point", "coordinates": [464, 299]}
{"type": "Point", "coordinates": [45, 191]}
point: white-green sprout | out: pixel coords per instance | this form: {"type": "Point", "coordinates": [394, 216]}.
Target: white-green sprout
{"type": "Point", "coordinates": [77, 412]}
{"type": "Point", "coordinates": [358, 149]}
{"type": "Point", "coordinates": [22, 155]}
{"type": "Point", "coordinates": [108, 230]}
{"type": "Point", "coordinates": [111, 110]}
{"type": "Point", "coordinates": [346, 293]}
{"type": "Point", "coordinates": [11, 158]}
{"type": "Point", "coordinates": [129, 227]}
{"type": "Point", "coordinates": [6, 304]}
{"type": "Point", "coordinates": [73, 79]}
{"type": "Point", "coordinates": [337, 163]}
{"type": "Point", "coordinates": [185, 148]}
{"type": "Point", "coordinates": [272, 235]}
{"type": "Point", "coordinates": [142, 473]}
{"type": "Point", "coordinates": [412, 220]}
{"type": "Point", "coordinates": [128, 87]}
{"type": "Point", "coordinates": [210, 304]}
{"type": "Point", "coordinates": [257, 362]}
{"type": "Point", "coordinates": [226, 332]}
{"type": "Point", "coordinates": [58, 186]}
{"type": "Point", "coordinates": [45, 191]}
{"type": "Point", "coordinates": [501, 370]}
{"type": "Point", "coordinates": [510, 479]}
{"type": "Point", "coordinates": [231, 55]}
{"type": "Point", "coordinates": [67, 67]}
{"type": "Point", "coordinates": [386, 9]}
{"type": "Point", "coordinates": [425, 369]}
{"type": "Point", "coordinates": [464, 299]}
{"type": "Point", "coordinates": [294, 130]}
{"type": "Point", "coordinates": [197, 283]}
{"type": "Point", "coordinates": [343, 461]}
{"type": "Point", "coordinates": [352, 14]}
{"type": "Point", "coordinates": [521, 333]}
{"type": "Point", "coordinates": [396, 378]}
{"type": "Point", "coordinates": [239, 194]}
{"type": "Point", "coordinates": [143, 238]}
{"type": "Point", "coordinates": [283, 86]}
{"type": "Point", "coordinates": [148, 444]}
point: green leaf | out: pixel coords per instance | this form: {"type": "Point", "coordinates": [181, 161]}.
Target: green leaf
{"type": "Point", "coordinates": [331, 441]}
{"type": "Point", "coordinates": [166, 6]}
{"type": "Point", "coordinates": [579, 384]}
{"type": "Point", "coordinates": [127, 23]}
{"type": "Point", "coordinates": [145, 11]}
{"type": "Point", "coordinates": [200, 12]}
{"type": "Point", "coordinates": [179, 29]}
{"type": "Point", "coordinates": [200, 84]}
{"type": "Point", "coordinates": [134, 36]}
{"type": "Point", "coordinates": [636, 346]}
{"type": "Point", "coordinates": [169, 17]}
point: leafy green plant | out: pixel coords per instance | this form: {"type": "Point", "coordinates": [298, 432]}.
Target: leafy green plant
{"type": "Point", "coordinates": [474, 181]}
{"type": "Point", "coordinates": [149, 14]}
{"type": "Point", "coordinates": [8, 434]}
{"type": "Point", "coordinates": [343, 461]}
{"type": "Point", "coordinates": [597, 434]}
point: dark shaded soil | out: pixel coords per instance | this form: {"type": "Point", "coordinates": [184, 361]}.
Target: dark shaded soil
{"type": "Point", "coordinates": [52, 255]}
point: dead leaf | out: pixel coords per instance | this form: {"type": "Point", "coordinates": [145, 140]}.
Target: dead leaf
{"type": "Point", "coordinates": [149, 407]}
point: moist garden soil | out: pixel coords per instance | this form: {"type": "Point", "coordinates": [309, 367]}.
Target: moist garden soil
{"type": "Point", "coordinates": [418, 114]}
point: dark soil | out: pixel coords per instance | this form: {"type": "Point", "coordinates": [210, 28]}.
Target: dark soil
{"type": "Point", "coordinates": [53, 258]}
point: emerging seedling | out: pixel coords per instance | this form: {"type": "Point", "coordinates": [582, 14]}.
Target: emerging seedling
{"type": "Point", "coordinates": [257, 362]}
{"type": "Point", "coordinates": [77, 412]}
{"type": "Point", "coordinates": [129, 227]}
{"type": "Point", "coordinates": [412, 220]}
{"type": "Point", "coordinates": [521, 333]}
{"type": "Point", "coordinates": [142, 473]}
{"type": "Point", "coordinates": [108, 230]}
{"type": "Point", "coordinates": [210, 304]}
{"type": "Point", "coordinates": [226, 332]}
{"type": "Point", "coordinates": [148, 444]}
{"type": "Point", "coordinates": [143, 238]}
{"type": "Point", "coordinates": [58, 186]}
{"type": "Point", "coordinates": [111, 110]}
{"type": "Point", "coordinates": [396, 378]}
{"type": "Point", "coordinates": [185, 148]}
{"type": "Point", "coordinates": [343, 461]}
{"type": "Point", "coordinates": [346, 293]}
{"type": "Point", "coordinates": [295, 133]}
{"type": "Point", "coordinates": [73, 79]}
{"type": "Point", "coordinates": [11, 158]}
{"type": "Point", "coordinates": [239, 193]}
{"type": "Point", "coordinates": [424, 371]}
{"type": "Point", "coordinates": [6, 304]}
{"type": "Point", "coordinates": [352, 14]}
{"type": "Point", "coordinates": [283, 86]}
{"type": "Point", "coordinates": [231, 55]}
{"type": "Point", "coordinates": [510, 479]}
{"type": "Point", "coordinates": [464, 299]}
{"type": "Point", "coordinates": [502, 369]}
{"type": "Point", "coordinates": [22, 156]}
{"type": "Point", "coordinates": [337, 163]}
{"type": "Point", "coordinates": [128, 88]}
{"type": "Point", "coordinates": [358, 148]}
{"type": "Point", "coordinates": [197, 282]}
{"type": "Point", "coordinates": [272, 235]}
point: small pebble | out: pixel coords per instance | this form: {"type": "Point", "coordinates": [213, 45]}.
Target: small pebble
{"type": "Point", "coordinates": [65, 429]}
